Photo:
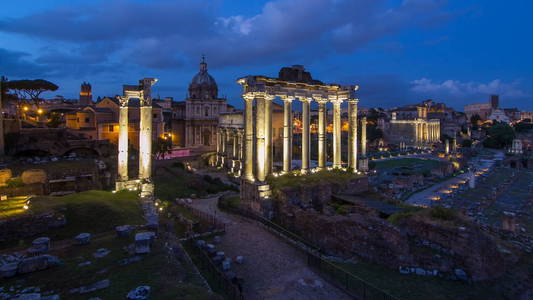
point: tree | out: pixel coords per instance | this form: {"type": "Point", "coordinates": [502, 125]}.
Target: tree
{"type": "Point", "coordinates": [467, 143]}
{"type": "Point", "coordinates": [523, 126]}
{"type": "Point", "coordinates": [499, 135]}
{"type": "Point", "coordinates": [30, 89]}
{"type": "Point", "coordinates": [474, 119]}
{"type": "Point", "coordinates": [161, 147]}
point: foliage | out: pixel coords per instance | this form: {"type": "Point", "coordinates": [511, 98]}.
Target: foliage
{"type": "Point", "coordinates": [500, 135]}
{"type": "Point", "coordinates": [30, 89]}
{"type": "Point", "coordinates": [523, 126]}
{"type": "Point", "coordinates": [161, 147]}
{"type": "Point", "coordinates": [475, 119]}
{"type": "Point", "coordinates": [441, 213]}
{"type": "Point", "coordinates": [178, 165]}
{"type": "Point", "coordinates": [231, 202]}
{"type": "Point", "coordinates": [326, 176]}
{"type": "Point", "coordinates": [397, 217]}
{"type": "Point", "coordinates": [467, 143]}
{"type": "Point", "coordinates": [54, 120]}
{"type": "Point", "coordinates": [14, 182]}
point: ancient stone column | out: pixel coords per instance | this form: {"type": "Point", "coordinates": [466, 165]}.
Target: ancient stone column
{"type": "Point", "coordinates": [337, 160]}
{"type": "Point", "coordinates": [261, 155]}
{"type": "Point", "coordinates": [223, 148]}
{"type": "Point", "coordinates": [287, 134]}
{"type": "Point", "coordinates": [234, 154]}
{"type": "Point", "coordinates": [123, 139]}
{"type": "Point", "coordinates": [447, 146]}
{"type": "Point", "coordinates": [352, 134]}
{"type": "Point", "coordinates": [322, 120]}
{"type": "Point", "coordinates": [248, 173]}
{"type": "Point", "coordinates": [268, 134]}
{"type": "Point", "coordinates": [306, 134]}
{"type": "Point", "coordinates": [145, 140]}
{"type": "Point", "coordinates": [219, 137]}
{"type": "Point", "coordinates": [363, 137]}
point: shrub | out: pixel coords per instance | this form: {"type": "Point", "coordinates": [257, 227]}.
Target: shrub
{"type": "Point", "coordinates": [231, 202]}
{"type": "Point", "coordinates": [178, 165]}
{"type": "Point", "coordinates": [397, 217]}
{"type": "Point", "coordinates": [439, 212]}
{"type": "Point", "coordinates": [14, 182]}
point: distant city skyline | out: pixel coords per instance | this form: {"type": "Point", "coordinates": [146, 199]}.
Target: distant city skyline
{"type": "Point", "coordinates": [400, 52]}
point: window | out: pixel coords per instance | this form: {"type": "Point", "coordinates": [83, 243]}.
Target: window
{"type": "Point", "coordinates": [155, 116]}
{"type": "Point", "coordinates": [86, 120]}
{"type": "Point", "coordinates": [111, 128]}
{"type": "Point", "coordinates": [207, 111]}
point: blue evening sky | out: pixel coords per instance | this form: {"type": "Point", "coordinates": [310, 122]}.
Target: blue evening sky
{"type": "Point", "coordinates": [399, 51]}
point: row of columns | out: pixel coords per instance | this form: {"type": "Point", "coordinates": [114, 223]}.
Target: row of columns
{"type": "Point", "coordinates": [263, 134]}
{"type": "Point", "coordinates": [230, 149]}
{"type": "Point", "coordinates": [426, 132]}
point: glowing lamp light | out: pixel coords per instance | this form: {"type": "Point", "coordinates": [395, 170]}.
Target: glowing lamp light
{"type": "Point", "coordinates": [160, 209]}
{"type": "Point", "coordinates": [114, 191]}
{"type": "Point", "coordinates": [40, 111]}
{"type": "Point", "coordinates": [25, 108]}
{"type": "Point", "coordinates": [26, 207]}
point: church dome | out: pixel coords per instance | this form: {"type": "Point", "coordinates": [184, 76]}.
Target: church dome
{"type": "Point", "coordinates": [203, 85]}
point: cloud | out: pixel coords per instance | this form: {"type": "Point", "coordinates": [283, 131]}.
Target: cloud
{"type": "Point", "coordinates": [465, 89]}
{"type": "Point", "coordinates": [168, 34]}
{"type": "Point", "coordinates": [19, 64]}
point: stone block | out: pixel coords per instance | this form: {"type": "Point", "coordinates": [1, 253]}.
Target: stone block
{"type": "Point", "coordinates": [217, 239]}
{"type": "Point", "coordinates": [404, 270]}
{"type": "Point", "coordinates": [34, 176]}
{"type": "Point", "coordinates": [83, 238]}
{"type": "Point", "coordinates": [239, 259]}
{"type": "Point", "coordinates": [31, 296]}
{"type": "Point", "coordinates": [32, 264]}
{"type": "Point", "coordinates": [101, 253]}
{"type": "Point", "coordinates": [226, 265]}
{"type": "Point", "coordinates": [123, 230]}
{"type": "Point", "coordinates": [143, 241]}
{"type": "Point", "coordinates": [460, 274]}
{"type": "Point", "coordinates": [5, 175]}
{"type": "Point", "coordinates": [8, 270]}
{"type": "Point", "coordinates": [139, 293]}
{"type": "Point", "coordinates": [41, 245]}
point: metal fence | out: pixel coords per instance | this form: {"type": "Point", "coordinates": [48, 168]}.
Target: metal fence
{"type": "Point", "coordinates": [207, 222]}
{"type": "Point", "coordinates": [217, 279]}
{"type": "Point", "coordinates": [344, 280]}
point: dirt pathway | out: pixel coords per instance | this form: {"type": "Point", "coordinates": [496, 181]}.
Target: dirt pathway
{"type": "Point", "coordinates": [272, 269]}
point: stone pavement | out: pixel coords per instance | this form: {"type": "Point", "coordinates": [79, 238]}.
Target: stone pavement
{"type": "Point", "coordinates": [272, 269]}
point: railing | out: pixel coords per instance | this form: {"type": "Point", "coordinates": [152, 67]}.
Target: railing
{"type": "Point", "coordinates": [207, 222]}
{"type": "Point", "coordinates": [344, 280]}
{"type": "Point", "coordinates": [217, 279]}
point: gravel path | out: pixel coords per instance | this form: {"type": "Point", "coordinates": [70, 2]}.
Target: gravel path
{"type": "Point", "coordinates": [272, 269]}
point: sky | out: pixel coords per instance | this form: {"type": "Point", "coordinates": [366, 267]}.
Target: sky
{"type": "Point", "coordinates": [399, 51]}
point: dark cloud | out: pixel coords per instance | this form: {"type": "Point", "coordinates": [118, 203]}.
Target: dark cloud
{"type": "Point", "coordinates": [19, 64]}
{"type": "Point", "coordinates": [168, 34]}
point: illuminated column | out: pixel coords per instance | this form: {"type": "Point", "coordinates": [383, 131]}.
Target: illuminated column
{"type": "Point", "coordinates": [352, 134]}
{"type": "Point", "coordinates": [240, 152]}
{"type": "Point", "coordinates": [426, 133]}
{"type": "Point", "coordinates": [287, 134]}
{"type": "Point", "coordinates": [363, 137]}
{"type": "Point", "coordinates": [219, 137]}
{"type": "Point", "coordinates": [306, 102]}
{"type": "Point", "coordinates": [123, 139]}
{"type": "Point", "coordinates": [261, 159]}
{"type": "Point", "coordinates": [322, 157]}
{"type": "Point", "coordinates": [268, 134]}
{"type": "Point", "coordinates": [145, 140]}
{"type": "Point", "coordinates": [234, 154]}
{"type": "Point", "coordinates": [249, 135]}
{"type": "Point", "coordinates": [337, 162]}
{"type": "Point", "coordinates": [447, 146]}
{"type": "Point", "coordinates": [223, 150]}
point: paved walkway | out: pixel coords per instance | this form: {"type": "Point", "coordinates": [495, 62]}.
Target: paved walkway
{"type": "Point", "coordinates": [424, 197]}
{"type": "Point", "coordinates": [272, 269]}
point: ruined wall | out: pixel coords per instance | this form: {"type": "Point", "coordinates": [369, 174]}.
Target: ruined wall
{"type": "Point", "coordinates": [417, 242]}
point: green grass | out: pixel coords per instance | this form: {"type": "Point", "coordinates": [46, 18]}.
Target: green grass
{"type": "Point", "coordinates": [90, 211]}
{"type": "Point", "coordinates": [414, 287]}
{"type": "Point", "coordinates": [335, 176]}
{"type": "Point", "coordinates": [166, 281]}
{"type": "Point", "coordinates": [422, 165]}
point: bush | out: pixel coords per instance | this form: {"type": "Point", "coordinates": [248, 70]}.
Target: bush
{"type": "Point", "coordinates": [439, 212]}
{"type": "Point", "coordinates": [343, 210]}
{"type": "Point", "coordinates": [178, 165]}
{"type": "Point", "coordinates": [397, 217]}
{"type": "Point", "coordinates": [14, 182]}
{"type": "Point", "coordinates": [231, 202]}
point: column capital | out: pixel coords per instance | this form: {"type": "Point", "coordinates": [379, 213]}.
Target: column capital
{"type": "Point", "coordinates": [123, 101]}
{"type": "Point", "coordinates": [248, 96]}
{"type": "Point", "coordinates": [335, 100]}
{"type": "Point", "coordinates": [353, 100]}
{"type": "Point", "coordinates": [320, 99]}
{"type": "Point", "coordinates": [306, 99]}
{"type": "Point", "coordinates": [287, 98]}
